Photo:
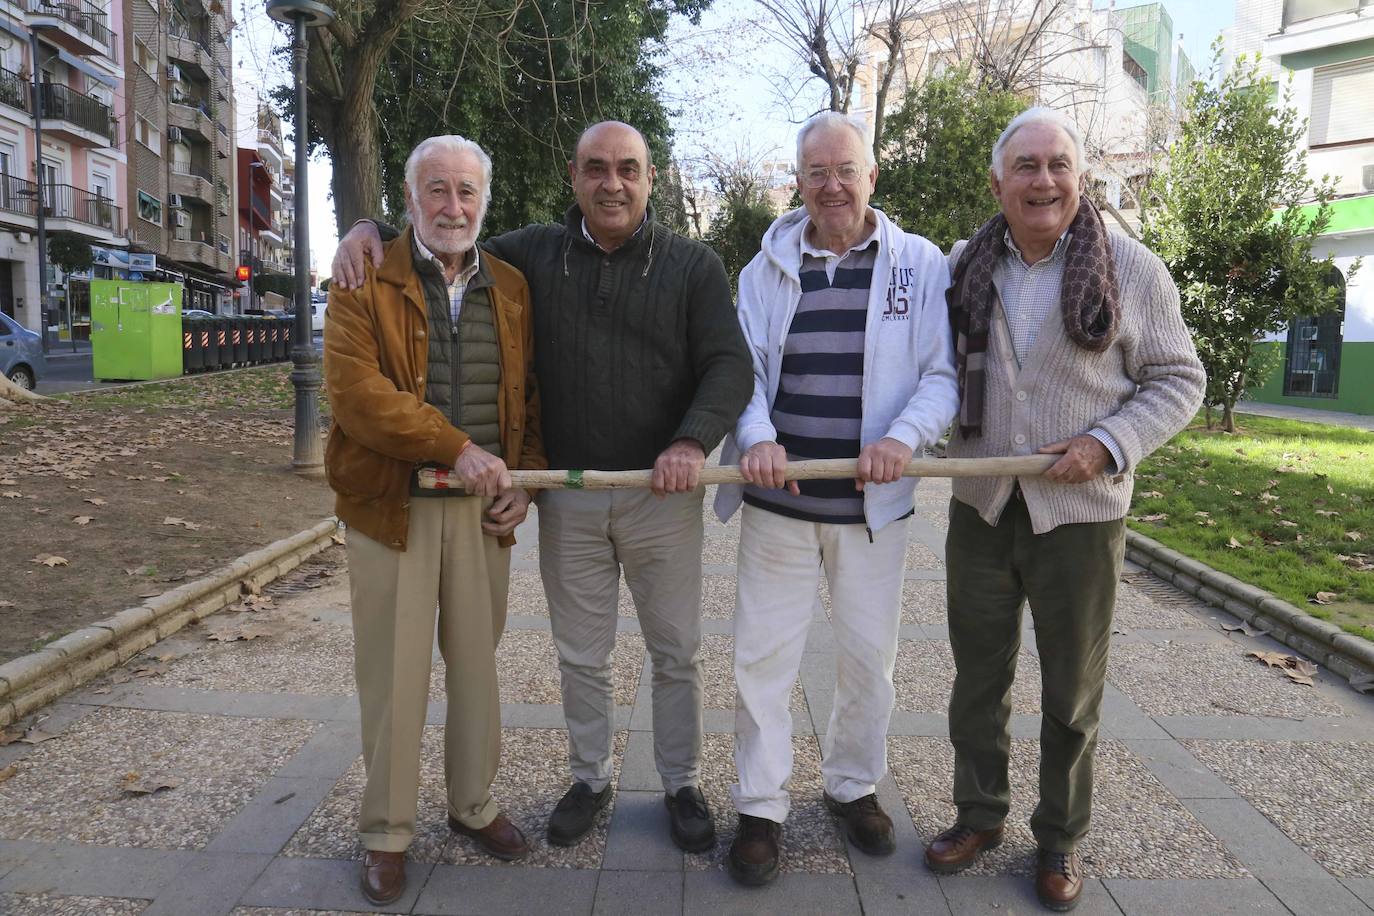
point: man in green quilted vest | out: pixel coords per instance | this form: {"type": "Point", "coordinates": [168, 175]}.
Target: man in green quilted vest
{"type": "Point", "coordinates": [430, 362]}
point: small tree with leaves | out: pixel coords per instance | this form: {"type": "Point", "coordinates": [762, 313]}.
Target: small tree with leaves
{"type": "Point", "coordinates": [934, 179]}
{"type": "Point", "coordinates": [70, 251]}
{"type": "Point", "coordinates": [1231, 215]}
{"type": "Point", "coordinates": [736, 234]}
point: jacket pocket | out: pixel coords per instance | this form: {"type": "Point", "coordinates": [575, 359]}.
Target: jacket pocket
{"type": "Point", "coordinates": [356, 471]}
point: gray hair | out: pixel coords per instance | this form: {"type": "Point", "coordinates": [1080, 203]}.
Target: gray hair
{"type": "Point", "coordinates": [832, 120]}
{"type": "Point", "coordinates": [1039, 114]}
{"type": "Point", "coordinates": [449, 143]}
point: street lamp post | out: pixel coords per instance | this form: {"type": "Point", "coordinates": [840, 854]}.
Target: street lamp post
{"type": "Point", "coordinates": [308, 454]}
{"type": "Point", "coordinates": [42, 199]}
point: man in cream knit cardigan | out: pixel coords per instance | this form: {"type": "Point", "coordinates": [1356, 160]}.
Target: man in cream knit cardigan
{"type": "Point", "coordinates": [1069, 341]}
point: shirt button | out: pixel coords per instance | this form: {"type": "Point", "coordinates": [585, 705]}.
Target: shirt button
{"type": "Point", "coordinates": [1019, 439]}
{"type": "Point", "coordinates": [419, 380]}
{"type": "Point", "coordinates": [1020, 395]}
{"type": "Point", "coordinates": [419, 335]}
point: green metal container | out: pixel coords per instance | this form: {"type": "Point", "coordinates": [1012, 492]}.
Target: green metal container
{"type": "Point", "coordinates": [135, 329]}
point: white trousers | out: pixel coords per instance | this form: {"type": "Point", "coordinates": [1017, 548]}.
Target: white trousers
{"type": "Point", "coordinates": [780, 560]}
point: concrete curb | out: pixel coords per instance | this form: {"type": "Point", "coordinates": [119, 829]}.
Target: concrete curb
{"type": "Point", "coordinates": [1325, 643]}
{"type": "Point", "coordinates": [33, 680]}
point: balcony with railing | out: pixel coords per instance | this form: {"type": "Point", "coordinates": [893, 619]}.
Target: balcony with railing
{"type": "Point", "coordinates": [190, 49]}
{"type": "Point", "coordinates": [65, 202]}
{"type": "Point", "coordinates": [18, 196]}
{"type": "Point", "coordinates": [193, 181]}
{"type": "Point", "coordinates": [76, 116]}
{"type": "Point", "coordinates": [15, 90]}
{"type": "Point", "coordinates": [78, 26]}
{"type": "Point", "coordinates": [192, 116]}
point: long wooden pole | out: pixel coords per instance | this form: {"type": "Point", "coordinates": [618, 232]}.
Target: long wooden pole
{"type": "Point", "coordinates": [820, 469]}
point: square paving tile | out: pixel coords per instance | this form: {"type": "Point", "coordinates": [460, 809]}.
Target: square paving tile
{"type": "Point", "coordinates": [1182, 679]}
{"type": "Point", "coordinates": [718, 674]}
{"type": "Point", "coordinates": [302, 656]}
{"type": "Point", "coordinates": [527, 668]}
{"type": "Point", "coordinates": [923, 602]}
{"type": "Point", "coordinates": [919, 556]}
{"type": "Point", "coordinates": [811, 841]}
{"type": "Point", "coordinates": [1320, 794]}
{"type": "Point", "coordinates": [936, 518]}
{"type": "Point", "coordinates": [1136, 610]}
{"type": "Point", "coordinates": [1139, 829]}
{"type": "Point", "coordinates": [52, 905]}
{"type": "Point", "coordinates": [924, 676]}
{"type": "Point", "coordinates": [69, 788]}
{"type": "Point", "coordinates": [532, 778]}
{"type": "Point", "coordinates": [721, 543]}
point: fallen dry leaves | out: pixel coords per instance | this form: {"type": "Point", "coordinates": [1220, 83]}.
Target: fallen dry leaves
{"type": "Point", "coordinates": [174, 521]}
{"type": "Point", "coordinates": [9, 771]}
{"type": "Point", "coordinates": [49, 560]}
{"type": "Point", "coordinates": [135, 783]}
{"type": "Point", "coordinates": [1298, 670]}
{"type": "Point", "coordinates": [241, 630]}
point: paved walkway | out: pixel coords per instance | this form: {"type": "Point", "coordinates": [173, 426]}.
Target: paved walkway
{"type": "Point", "coordinates": [1222, 787]}
{"type": "Point", "coordinates": [1307, 414]}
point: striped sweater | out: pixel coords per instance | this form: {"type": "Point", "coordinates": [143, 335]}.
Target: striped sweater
{"type": "Point", "coordinates": [1144, 388]}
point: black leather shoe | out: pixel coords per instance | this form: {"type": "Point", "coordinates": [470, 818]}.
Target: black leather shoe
{"type": "Point", "coordinates": [575, 813]}
{"type": "Point", "coordinates": [866, 824]}
{"type": "Point", "coordinates": [753, 856]}
{"type": "Point", "coordinates": [690, 819]}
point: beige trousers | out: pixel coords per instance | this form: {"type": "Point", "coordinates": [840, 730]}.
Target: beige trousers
{"type": "Point", "coordinates": [394, 593]}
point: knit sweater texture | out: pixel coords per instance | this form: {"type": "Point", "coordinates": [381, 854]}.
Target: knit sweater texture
{"type": "Point", "coordinates": [1144, 388]}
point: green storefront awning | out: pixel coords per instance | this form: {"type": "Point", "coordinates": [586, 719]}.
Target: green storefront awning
{"type": "Point", "coordinates": [1349, 214]}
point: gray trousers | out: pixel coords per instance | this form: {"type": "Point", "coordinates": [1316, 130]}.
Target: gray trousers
{"type": "Point", "coordinates": [584, 540]}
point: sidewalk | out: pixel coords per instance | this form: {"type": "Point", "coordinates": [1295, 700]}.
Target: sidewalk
{"type": "Point", "coordinates": [1222, 787]}
{"type": "Point", "coordinates": [1308, 414]}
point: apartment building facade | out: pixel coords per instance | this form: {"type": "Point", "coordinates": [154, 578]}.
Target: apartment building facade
{"type": "Point", "coordinates": [1108, 69]}
{"type": "Point", "coordinates": [75, 48]}
{"type": "Point", "coordinates": [1326, 48]}
{"type": "Point", "coordinates": [263, 245]}
{"type": "Point", "coordinates": [182, 155]}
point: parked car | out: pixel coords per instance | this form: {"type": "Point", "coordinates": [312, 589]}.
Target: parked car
{"type": "Point", "coordinates": [197, 313]}
{"type": "Point", "coordinates": [21, 353]}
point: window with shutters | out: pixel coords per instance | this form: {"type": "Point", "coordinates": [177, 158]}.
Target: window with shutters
{"type": "Point", "coordinates": [1342, 103]}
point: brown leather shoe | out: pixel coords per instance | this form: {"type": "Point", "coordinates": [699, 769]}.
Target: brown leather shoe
{"type": "Point", "coordinates": [956, 848]}
{"type": "Point", "coordinates": [500, 838]}
{"type": "Point", "coordinates": [865, 823]}
{"type": "Point", "coordinates": [384, 876]}
{"type": "Point", "coordinates": [1058, 879]}
{"type": "Point", "coordinates": [753, 858]}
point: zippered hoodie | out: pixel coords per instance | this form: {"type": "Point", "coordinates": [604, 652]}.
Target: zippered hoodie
{"type": "Point", "coordinates": [909, 389]}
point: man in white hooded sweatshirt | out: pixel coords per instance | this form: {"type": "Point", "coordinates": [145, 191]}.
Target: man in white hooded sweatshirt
{"type": "Point", "coordinates": [845, 317]}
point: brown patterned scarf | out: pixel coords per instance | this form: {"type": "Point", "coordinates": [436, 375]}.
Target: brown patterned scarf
{"type": "Point", "coordinates": [1089, 301]}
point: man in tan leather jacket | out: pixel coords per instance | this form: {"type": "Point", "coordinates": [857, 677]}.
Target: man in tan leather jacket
{"type": "Point", "coordinates": [430, 363]}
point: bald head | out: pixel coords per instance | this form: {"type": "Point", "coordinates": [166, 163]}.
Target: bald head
{"type": "Point", "coordinates": [613, 130]}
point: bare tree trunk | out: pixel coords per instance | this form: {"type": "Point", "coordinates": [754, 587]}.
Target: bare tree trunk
{"type": "Point", "coordinates": [352, 139]}
{"type": "Point", "coordinates": [1228, 418]}
{"type": "Point", "coordinates": [10, 392]}
{"type": "Point", "coordinates": [1207, 409]}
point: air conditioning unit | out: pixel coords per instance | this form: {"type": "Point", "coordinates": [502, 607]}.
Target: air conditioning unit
{"type": "Point", "coordinates": [173, 73]}
{"type": "Point", "coordinates": [1369, 177]}
{"type": "Point", "coordinates": [174, 135]}
{"type": "Point", "coordinates": [181, 218]}
{"type": "Point", "coordinates": [175, 201]}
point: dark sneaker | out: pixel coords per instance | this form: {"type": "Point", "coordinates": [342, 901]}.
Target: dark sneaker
{"type": "Point", "coordinates": [753, 856]}
{"type": "Point", "coordinates": [690, 819]}
{"type": "Point", "coordinates": [575, 813]}
{"type": "Point", "coordinates": [866, 824]}
{"type": "Point", "coordinates": [956, 848]}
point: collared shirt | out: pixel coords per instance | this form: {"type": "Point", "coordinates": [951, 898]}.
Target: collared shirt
{"type": "Point", "coordinates": [587, 233]}
{"type": "Point", "coordinates": [832, 259]}
{"type": "Point", "coordinates": [1030, 293]}
{"type": "Point", "coordinates": [459, 287]}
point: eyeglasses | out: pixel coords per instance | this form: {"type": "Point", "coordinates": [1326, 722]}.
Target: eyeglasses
{"type": "Point", "coordinates": [817, 177]}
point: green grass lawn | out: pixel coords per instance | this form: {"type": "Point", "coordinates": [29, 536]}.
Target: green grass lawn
{"type": "Point", "coordinates": [1284, 505]}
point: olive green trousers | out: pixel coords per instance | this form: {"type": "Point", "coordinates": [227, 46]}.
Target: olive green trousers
{"type": "Point", "coordinates": [1068, 577]}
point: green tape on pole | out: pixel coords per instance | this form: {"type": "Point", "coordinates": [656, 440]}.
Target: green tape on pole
{"type": "Point", "coordinates": [574, 481]}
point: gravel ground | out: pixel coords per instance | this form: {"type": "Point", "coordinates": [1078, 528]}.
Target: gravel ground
{"type": "Point", "coordinates": [1321, 795]}
{"type": "Point", "coordinates": [70, 788]}
{"type": "Point", "coordinates": [811, 841]}
{"type": "Point", "coordinates": [1136, 610]}
{"type": "Point", "coordinates": [531, 779]}
{"type": "Point", "coordinates": [1139, 829]}
{"type": "Point", "coordinates": [925, 674]}
{"type": "Point", "coordinates": [51, 905]}
{"type": "Point", "coordinates": [1181, 679]}
{"type": "Point", "coordinates": [302, 656]}
{"type": "Point", "coordinates": [527, 662]}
